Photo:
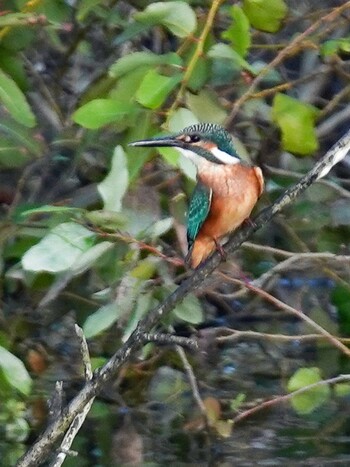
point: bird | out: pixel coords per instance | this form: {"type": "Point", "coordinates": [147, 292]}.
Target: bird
{"type": "Point", "coordinates": [227, 187]}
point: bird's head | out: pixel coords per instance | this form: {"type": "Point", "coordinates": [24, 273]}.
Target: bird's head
{"type": "Point", "coordinates": [201, 142]}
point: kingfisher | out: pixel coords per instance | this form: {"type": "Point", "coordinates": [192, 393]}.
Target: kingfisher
{"type": "Point", "coordinates": [227, 188]}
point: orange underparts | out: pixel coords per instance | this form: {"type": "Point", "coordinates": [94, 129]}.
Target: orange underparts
{"type": "Point", "coordinates": [234, 196]}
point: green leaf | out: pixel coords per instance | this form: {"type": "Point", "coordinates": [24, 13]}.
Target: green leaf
{"type": "Point", "coordinates": [100, 112]}
{"type": "Point", "coordinates": [341, 299]}
{"type": "Point", "coordinates": [181, 118]}
{"type": "Point", "coordinates": [309, 400]}
{"type": "Point", "coordinates": [265, 15]}
{"type": "Point", "coordinates": [112, 189]}
{"type": "Point", "coordinates": [15, 19]}
{"type": "Point", "coordinates": [143, 305]}
{"type": "Point", "coordinates": [159, 228]}
{"type": "Point", "coordinates": [200, 74]}
{"type": "Point", "coordinates": [22, 136]}
{"type": "Point", "coordinates": [144, 270]}
{"type": "Point", "coordinates": [12, 155]}
{"type": "Point", "coordinates": [15, 372]}
{"type": "Point", "coordinates": [177, 16]}
{"type": "Point", "coordinates": [155, 88]}
{"type": "Point", "coordinates": [57, 11]}
{"type": "Point", "coordinates": [17, 430]}
{"type": "Point", "coordinates": [342, 389]}
{"type": "Point", "coordinates": [235, 404]}
{"type": "Point", "coordinates": [133, 30]}
{"type": "Point", "coordinates": [131, 62]}
{"type": "Point", "coordinates": [15, 102]}
{"type": "Point", "coordinates": [101, 320]}
{"type": "Point", "coordinates": [297, 123]}
{"type": "Point", "coordinates": [206, 103]}
{"type": "Point", "coordinates": [334, 46]}
{"type": "Point", "coordinates": [59, 249]}
{"type": "Point", "coordinates": [224, 51]}
{"type": "Point", "coordinates": [189, 310]}
{"type": "Point", "coordinates": [126, 87]}
{"type": "Point", "coordinates": [224, 428]}
{"type": "Point", "coordinates": [239, 32]}
{"type": "Point", "coordinates": [167, 386]}
{"type": "Point", "coordinates": [85, 7]}
{"type": "Point", "coordinates": [48, 209]}
{"type": "Point", "coordinates": [137, 159]}
{"type": "Point", "coordinates": [106, 220]}
{"type": "Point", "coordinates": [90, 257]}
{"type": "Point", "coordinates": [13, 65]}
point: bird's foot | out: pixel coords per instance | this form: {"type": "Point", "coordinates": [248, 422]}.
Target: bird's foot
{"type": "Point", "coordinates": [249, 221]}
{"type": "Point", "coordinates": [220, 249]}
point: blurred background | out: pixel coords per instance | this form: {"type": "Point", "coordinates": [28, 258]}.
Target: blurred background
{"type": "Point", "coordinates": [93, 231]}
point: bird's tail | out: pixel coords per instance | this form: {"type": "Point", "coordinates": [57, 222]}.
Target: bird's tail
{"type": "Point", "coordinates": [199, 251]}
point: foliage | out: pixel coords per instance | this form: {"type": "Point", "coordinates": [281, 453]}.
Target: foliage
{"type": "Point", "coordinates": [310, 400]}
{"type": "Point", "coordinates": [14, 372]}
{"type": "Point", "coordinates": [93, 227]}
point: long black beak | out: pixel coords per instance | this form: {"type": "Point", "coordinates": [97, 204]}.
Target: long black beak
{"type": "Point", "coordinates": [166, 141]}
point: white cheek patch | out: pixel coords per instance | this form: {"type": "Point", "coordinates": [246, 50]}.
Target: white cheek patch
{"type": "Point", "coordinates": [200, 161]}
{"type": "Point", "coordinates": [224, 157]}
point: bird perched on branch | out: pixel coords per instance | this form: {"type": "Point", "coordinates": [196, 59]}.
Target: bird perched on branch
{"type": "Point", "coordinates": [227, 188]}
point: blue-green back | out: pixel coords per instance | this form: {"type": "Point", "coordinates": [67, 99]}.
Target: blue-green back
{"type": "Point", "coordinates": [198, 211]}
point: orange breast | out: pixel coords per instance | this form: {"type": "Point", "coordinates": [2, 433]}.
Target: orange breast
{"type": "Point", "coordinates": [236, 189]}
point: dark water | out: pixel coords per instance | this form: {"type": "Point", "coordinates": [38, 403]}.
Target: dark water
{"type": "Point", "coordinates": [160, 429]}
{"type": "Point", "coordinates": [149, 416]}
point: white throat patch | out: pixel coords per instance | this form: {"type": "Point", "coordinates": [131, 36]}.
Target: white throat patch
{"type": "Point", "coordinates": [200, 161]}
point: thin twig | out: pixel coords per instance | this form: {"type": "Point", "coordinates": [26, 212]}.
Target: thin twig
{"type": "Point", "coordinates": [190, 375]}
{"type": "Point", "coordinates": [297, 259]}
{"type": "Point", "coordinates": [236, 334]}
{"type": "Point", "coordinates": [56, 401]}
{"type": "Point", "coordinates": [198, 52]}
{"type": "Point", "coordinates": [287, 397]}
{"type": "Point", "coordinates": [124, 237]}
{"type": "Point", "coordinates": [171, 339]}
{"type": "Point", "coordinates": [283, 306]}
{"type": "Point", "coordinates": [74, 428]}
{"type": "Point", "coordinates": [268, 249]}
{"type": "Point", "coordinates": [292, 174]}
{"type": "Point", "coordinates": [192, 380]}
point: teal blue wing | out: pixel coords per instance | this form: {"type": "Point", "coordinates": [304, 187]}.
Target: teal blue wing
{"type": "Point", "coordinates": [198, 211]}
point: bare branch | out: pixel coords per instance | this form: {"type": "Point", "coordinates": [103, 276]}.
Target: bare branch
{"type": "Point", "coordinates": [192, 380]}
{"type": "Point", "coordinates": [283, 306]}
{"type": "Point", "coordinates": [287, 397]}
{"type": "Point", "coordinates": [237, 334]}
{"type": "Point", "coordinates": [80, 418]}
{"type": "Point", "coordinates": [170, 339]}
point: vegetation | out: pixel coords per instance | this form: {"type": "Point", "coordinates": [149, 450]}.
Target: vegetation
{"type": "Point", "coordinates": [92, 231]}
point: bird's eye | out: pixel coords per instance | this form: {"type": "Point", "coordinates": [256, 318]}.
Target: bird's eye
{"type": "Point", "coordinates": [189, 138]}
{"type": "Point", "coordinates": [193, 138]}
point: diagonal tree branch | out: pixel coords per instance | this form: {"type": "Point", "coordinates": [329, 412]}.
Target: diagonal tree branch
{"type": "Point", "coordinates": [42, 448]}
